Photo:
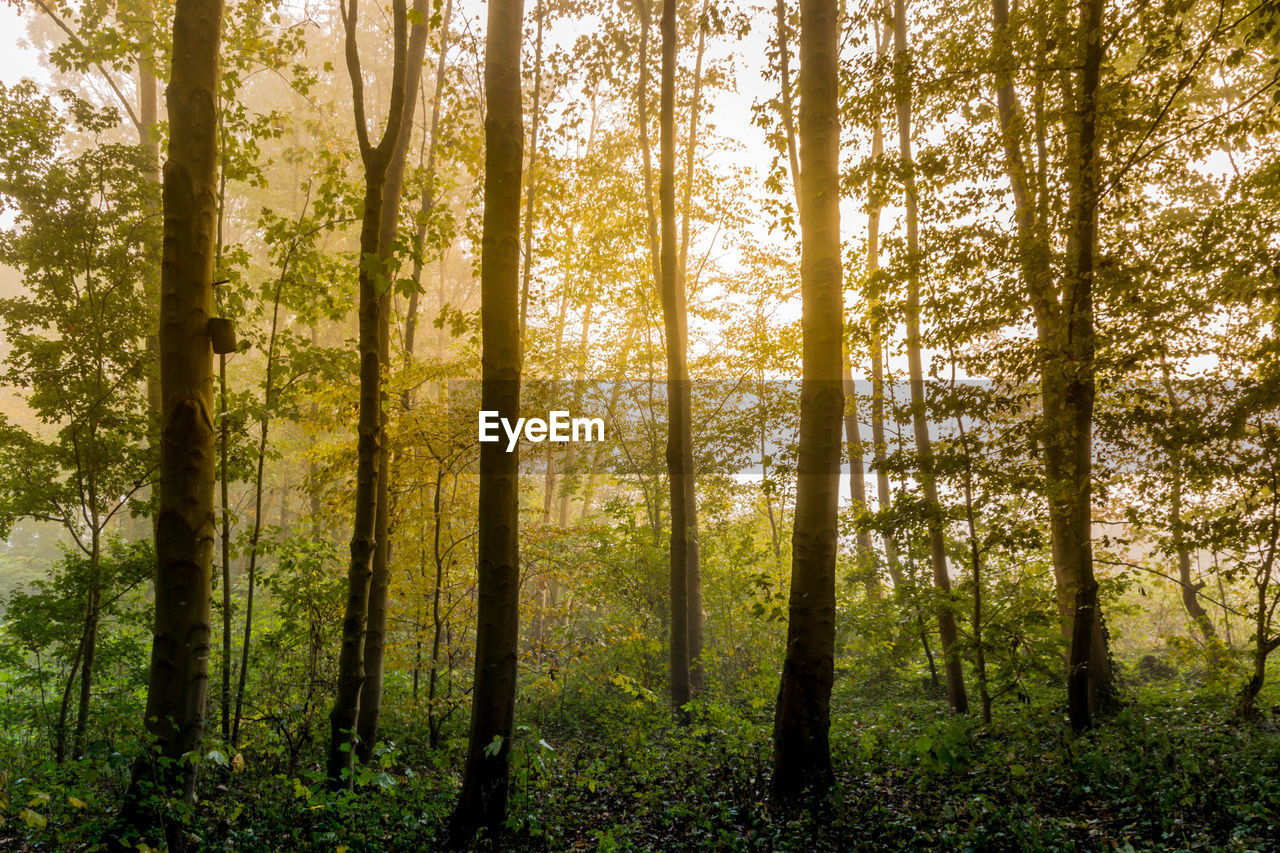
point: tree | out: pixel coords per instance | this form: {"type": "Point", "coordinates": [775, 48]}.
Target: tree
{"type": "Point", "coordinates": [376, 159]}
{"type": "Point", "coordinates": [82, 234]}
{"type": "Point", "coordinates": [185, 523]}
{"type": "Point", "coordinates": [919, 415]}
{"type": "Point", "coordinates": [802, 719]}
{"type": "Point", "coordinates": [681, 474]}
{"type": "Point", "coordinates": [483, 799]}
{"type": "Point", "coordinates": [1063, 313]}
{"type": "Point", "coordinates": [392, 186]}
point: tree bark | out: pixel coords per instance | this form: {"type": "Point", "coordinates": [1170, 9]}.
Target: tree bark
{"type": "Point", "coordinates": [680, 470]}
{"type": "Point", "coordinates": [92, 614]}
{"type": "Point", "coordinates": [952, 664]}
{"type": "Point", "coordinates": [178, 681]}
{"type": "Point", "coordinates": [975, 568]}
{"type": "Point", "coordinates": [344, 717]}
{"type": "Point", "coordinates": [879, 443]}
{"type": "Point", "coordinates": [1064, 324]}
{"type": "Point", "coordinates": [224, 440]}
{"type": "Point", "coordinates": [483, 799]}
{"type": "Point", "coordinates": [1190, 590]}
{"type": "Point", "coordinates": [853, 438]}
{"type": "Point", "coordinates": [531, 190]}
{"type": "Point", "coordinates": [693, 571]}
{"type": "Point", "coordinates": [389, 219]}
{"type": "Point", "coordinates": [427, 206]}
{"type": "Point", "coordinates": [1069, 385]}
{"type": "Point", "coordinates": [802, 755]}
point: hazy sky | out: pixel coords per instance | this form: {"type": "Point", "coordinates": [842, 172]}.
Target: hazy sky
{"type": "Point", "coordinates": [17, 59]}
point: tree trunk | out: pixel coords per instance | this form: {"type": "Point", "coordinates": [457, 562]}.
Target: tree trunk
{"type": "Point", "coordinates": [178, 681]}
{"type": "Point", "coordinates": [693, 571]}
{"type": "Point", "coordinates": [64, 707]}
{"type": "Point", "coordinates": [802, 755]}
{"type": "Point", "coordinates": [147, 119]}
{"type": "Point", "coordinates": [344, 717]}
{"type": "Point", "coordinates": [1068, 382]}
{"type": "Point", "coordinates": [853, 439]}
{"type": "Point", "coordinates": [428, 196]}
{"type": "Point", "coordinates": [1190, 590]}
{"type": "Point", "coordinates": [389, 218]}
{"type": "Point", "coordinates": [437, 618]}
{"type": "Point", "coordinates": [975, 568]}
{"type": "Point", "coordinates": [531, 191]}
{"type": "Point", "coordinates": [857, 473]}
{"type": "Point", "coordinates": [269, 401]}
{"type": "Point", "coordinates": [1064, 325]}
{"type": "Point", "coordinates": [483, 799]}
{"type": "Point", "coordinates": [92, 613]}
{"type": "Point", "coordinates": [919, 416]}
{"type": "Point", "coordinates": [646, 155]}
{"type": "Point", "coordinates": [680, 470]}
{"type": "Point", "coordinates": [879, 443]}
{"type": "Point", "coordinates": [224, 439]}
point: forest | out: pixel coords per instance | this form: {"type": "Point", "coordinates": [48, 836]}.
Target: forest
{"type": "Point", "coordinates": [640, 425]}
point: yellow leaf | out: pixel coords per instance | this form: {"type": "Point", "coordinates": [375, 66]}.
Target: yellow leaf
{"type": "Point", "coordinates": [34, 820]}
{"type": "Point", "coordinates": [77, 803]}
{"type": "Point", "coordinates": [237, 763]}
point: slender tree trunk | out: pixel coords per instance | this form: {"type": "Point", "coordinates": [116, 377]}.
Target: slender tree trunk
{"type": "Point", "coordinates": [857, 471]}
{"type": "Point", "coordinates": [646, 149]}
{"type": "Point", "coordinates": [224, 439]}
{"type": "Point", "coordinates": [179, 673]}
{"type": "Point", "coordinates": [802, 755]}
{"type": "Point", "coordinates": [150, 141]}
{"type": "Point", "coordinates": [1222, 598]}
{"type": "Point", "coordinates": [437, 619]}
{"type": "Point", "coordinates": [693, 569]}
{"type": "Point", "coordinates": [975, 568]}
{"type": "Point", "coordinates": [680, 470]}
{"type": "Point", "coordinates": [1263, 643]}
{"type": "Point", "coordinates": [532, 178]}
{"type": "Point", "coordinates": [1190, 590]}
{"type": "Point", "coordinates": [427, 206]}
{"type": "Point", "coordinates": [879, 442]}
{"type": "Point", "coordinates": [1068, 381]}
{"type": "Point", "coordinates": [344, 717]}
{"type": "Point", "coordinates": [549, 473]}
{"type": "Point", "coordinates": [92, 613]}
{"type": "Point", "coordinates": [919, 416]}
{"type": "Point", "coordinates": [389, 218]}
{"type": "Point", "coordinates": [269, 401]}
{"type": "Point", "coordinates": [64, 707]}
{"type": "Point", "coordinates": [483, 799]}
{"type": "Point", "coordinates": [1064, 324]}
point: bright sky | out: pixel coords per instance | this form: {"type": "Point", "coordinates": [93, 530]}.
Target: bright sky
{"type": "Point", "coordinates": [17, 58]}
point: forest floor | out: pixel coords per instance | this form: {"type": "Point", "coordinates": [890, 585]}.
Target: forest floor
{"type": "Point", "coordinates": [610, 771]}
